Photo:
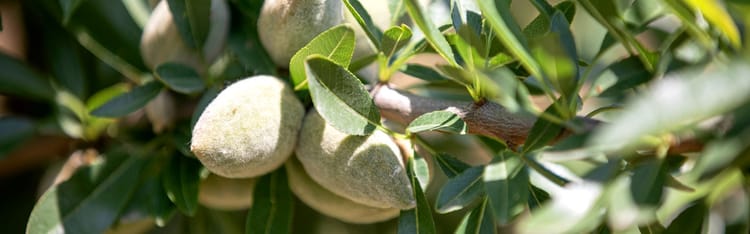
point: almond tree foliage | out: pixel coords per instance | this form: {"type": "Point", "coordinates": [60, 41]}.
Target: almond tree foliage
{"type": "Point", "coordinates": [646, 128]}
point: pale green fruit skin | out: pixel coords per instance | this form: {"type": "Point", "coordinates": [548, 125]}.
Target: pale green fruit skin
{"type": "Point", "coordinates": [221, 193]}
{"type": "Point", "coordinates": [161, 41]}
{"type": "Point", "coordinates": [285, 26]}
{"type": "Point", "coordinates": [330, 204]}
{"type": "Point", "coordinates": [365, 169]}
{"type": "Point", "coordinates": [249, 129]}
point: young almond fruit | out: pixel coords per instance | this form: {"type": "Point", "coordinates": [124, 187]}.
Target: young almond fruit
{"type": "Point", "coordinates": [365, 169]}
{"type": "Point", "coordinates": [249, 129]}
{"type": "Point", "coordinates": [330, 204]}
{"type": "Point", "coordinates": [161, 41]}
{"type": "Point", "coordinates": [226, 194]}
{"type": "Point", "coordinates": [285, 26]}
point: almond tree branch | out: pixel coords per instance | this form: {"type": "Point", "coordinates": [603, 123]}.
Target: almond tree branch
{"type": "Point", "coordinates": [486, 118]}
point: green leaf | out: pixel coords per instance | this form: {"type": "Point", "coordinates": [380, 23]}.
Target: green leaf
{"type": "Point", "coordinates": [683, 99]}
{"type": "Point", "coordinates": [395, 38]}
{"type": "Point", "coordinates": [15, 131]}
{"type": "Point", "coordinates": [417, 220]}
{"type": "Point", "coordinates": [192, 20]}
{"type": "Point", "coordinates": [128, 102]}
{"type": "Point", "coordinates": [647, 182]}
{"type": "Point", "coordinates": [180, 78]}
{"type": "Point", "coordinates": [336, 44]}
{"type": "Point", "coordinates": [451, 166]}
{"type": "Point", "coordinates": [478, 221]}
{"type": "Point", "coordinates": [630, 73]}
{"type": "Point", "coordinates": [365, 21]}
{"type": "Point", "coordinates": [543, 131]}
{"type": "Point", "coordinates": [68, 8]}
{"type": "Point", "coordinates": [150, 199]}
{"type": "Point", "coordinates": [244, 44]}
{"type": "Point", "coordinates": [444, 121]}
{"type": "Point", "coordinates": [273, 205]}
{"type": "Point", "coordinates": [566, 72]}
{"type": "Point", "coordinates": [207, 97]}
{"type": "Point", "coordinates": [690, 220]}
{"type": "Point", "coordinates": [340, 97]}
{"type": "Point", "coordinates": [422, 72]}
{"type": "Point", "coordinates": [460, 191]}
{"type": "Point", "coordinates": [421, 170]}
{"type": "Point", "coordinates": [501, 20]}
{"type": "Point", "coordinates": [431, 32]}
{"type": "Point", "coordinates": [181, 181]}
{"type": "Point", "coordinates": [719, 18]}
{"type": "Point", "coordinates": [20, 80]}
{"type": "Point", "coordinates": [506, 181]}
{"type": "Point", "coordinates": [91, 200]}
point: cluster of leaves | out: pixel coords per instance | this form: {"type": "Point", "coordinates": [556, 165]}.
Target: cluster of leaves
{"type": "Point", "coordinates": [621, 177]}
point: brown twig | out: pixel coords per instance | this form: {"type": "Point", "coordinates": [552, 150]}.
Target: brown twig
{"type": "Point", "coordinates": [485, 118]}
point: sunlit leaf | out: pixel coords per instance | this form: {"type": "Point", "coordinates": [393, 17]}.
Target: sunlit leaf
{"type": "Point", "coordinates": [460, 191]}
{"type": "Point", "coordinates": [417, 220]}
{"type": "Point", "coordinates": [444, 121]}
{"type": "Point", "coordinates": [719, 17]}
{"type": "Point", "coordinates": [340, 97]}
{"type": "Point", "coordinates": [506, 181]}
{"type": "Point", "coordinates": [432, 34]}
{"type": "Point", "coordinates": [336, 44]}
{"type": "Point", "coordinates": [501, 20]}
{"type": "Point", "coordinates": [394, 38]}
{"type": "Point", "coordinates": [478, 221]}
{"type": "Point", "coordinates": [682, 99]}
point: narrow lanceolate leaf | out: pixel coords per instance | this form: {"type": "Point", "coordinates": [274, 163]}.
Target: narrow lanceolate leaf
{"type": "Point", "coordinates": [336, 43]}
{"type": "Point", "coordinates": [91, 200]}
{"type": "Point", "coordinates": [444, 121]}
{"type": "Point", "coordinates": [478, 221]}
{"type": "Point", "coordinates": [421, 169]}
{"type": "Point", "coordinates": [509, 34]}
{"type": "Point", "coordinates": [365, 21]}
{"type": "Point", "coordinates": [506, 181]}
{"type": "Point", "coordinates": [422, 72]}
{"type": "Point", "coordinates": [451, 166]}
{"type": "Point", "coordinates": [719, 17]}
{"type": "Point", "coordinates": [395, 38]}
{"type": "Point", "coordinates": [15, 131]}
{"type": "Point", "coordinates": [180, 78]}
{"type": "Point", "coordinates": [543, 131]}
{"type": "Point", "coordinates": [460, 191]}
{"type": "Point", "coordinates": [690, 220]}
{"type": "Point", "coordinates": [192, 20]}
{"type": "Point", "coordinates": [181, 181]}
{"type": "Point", "coordinates": [340, 97]}
{"type": "Point", "coordinates": [647, 182]}
{"type": "Point", "coordinates": [682, 99]}
{"type": "Point", "coordinates": [128, 102]}
{"type": "Point", "coordinates": [273, 205]}
{"type": "Point", "coordinates": [418, 219]}
{"type": "Point", "coordinates": [431, 32]}
{"type": "Point", "coordinates": [20, 80]}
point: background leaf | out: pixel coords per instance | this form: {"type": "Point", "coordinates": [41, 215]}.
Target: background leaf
{"type": "Point", "coordinates": [128, 102]}
{"type": "Point", "coordinates": [15, 131]}
{"type": "Point", "coordinates": [365, 21]}
{"type": "Point", "coordinates": [180, 78]}
{"type": "Point", "coordinates": [460, 191]}
{"type": "Point", "coordinates": [451, 166]}
{"type": "Point", "coordinates": [340, 97]}
{"type": "Point", "coordinates": [20, 80]}
{"type": "Point", "coordinates": [102, 190]}
{"type": "Point", "coordinates": [273, 205]}
{"type": "Point", "coordinates": [336, 43]}
{"type": "Point", "coordinates": [192, 20]}
{"type": "Point", "coordinates": [431, 32]}
{"type": "Point", "coordinates": [181, 181]}
{"type": "Point", "coordinates": [444, 121]}
{"type": "Point", "coordinates": [418, 219]}
{"type": "Point", "coordinates": [478, 220]}
{"type": "Point", "coordinates": [506, 181]}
